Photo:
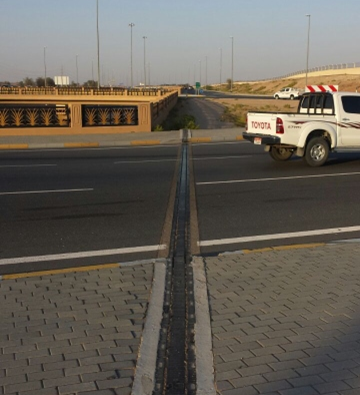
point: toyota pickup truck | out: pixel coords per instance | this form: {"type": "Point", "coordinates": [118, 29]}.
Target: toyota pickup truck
{"type": "Point", "coordinates": [324, 122]}
{"type": "Point", "coordinates": [288, 93]}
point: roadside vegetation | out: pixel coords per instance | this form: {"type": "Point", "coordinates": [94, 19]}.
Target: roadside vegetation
{"type": "Point", "coordinates": [235, 110]}
{"type": "Point", "coordinates": [177, 120]}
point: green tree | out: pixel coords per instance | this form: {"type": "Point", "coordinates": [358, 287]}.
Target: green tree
{"type": "Point", "coordinates": [40, 82]}
{"type": "Point", "coordinates": [29, 82]}
{"type": "Point", "coordinates": [90, 84]}
{"type": "Point", "coordinates": [50, 81]}
{"type": "Point", "coordinates": [228, 83]}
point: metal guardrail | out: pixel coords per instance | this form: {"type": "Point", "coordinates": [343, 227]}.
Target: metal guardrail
{"type": "Point", "coordinates": [314, 69]}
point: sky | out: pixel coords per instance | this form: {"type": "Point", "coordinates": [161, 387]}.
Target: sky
{"type": "Point", "coordinates": [187, 40]}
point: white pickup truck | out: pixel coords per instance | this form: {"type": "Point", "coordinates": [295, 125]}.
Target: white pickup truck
{"type": "Point", "coordinates": [288, 93]}
{"type": "Point", "coordinates": [324, 122]}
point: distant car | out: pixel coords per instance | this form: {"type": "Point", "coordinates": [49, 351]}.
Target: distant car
{"type": "Point", "coordinates": [288, 93]}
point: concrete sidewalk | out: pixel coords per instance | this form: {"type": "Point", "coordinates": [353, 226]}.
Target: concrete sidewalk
{"type": "Point", "coordinates": [282, 321]}
{"type": "Point", "coordinates": [116, 140]}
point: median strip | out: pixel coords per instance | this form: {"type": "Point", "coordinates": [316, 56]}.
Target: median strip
{"type": "Point", "coordinates": [14, 146]}
{"type": "Point", "coordinates": [81, 145]}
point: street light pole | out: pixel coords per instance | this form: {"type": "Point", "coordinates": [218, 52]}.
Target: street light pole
{"type": "Point", "coordinates": [131, 54]}
{"type": "Point", "coordinates": [220, 65]}
{"type": "Point", "coordinates": [206, 58]}
{"type": "Point", "coordinates": [77, 71]}
{"type": "Point", "coordinates": [98, 43]}
{"type": "Point", "coordinates": [144, 37]}
{"type": "Point", "coordinates": [200, 71]}
{"type": "Point", "coordinates": [307, 50]}
{"type": "Point", "coordinates": [232, 63]}
{"type": "Point", "coordinates": [45, 65]}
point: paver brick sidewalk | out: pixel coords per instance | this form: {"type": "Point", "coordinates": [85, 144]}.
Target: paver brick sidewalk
{"type": "Point", "coordinates": [72, 333]}
{"type": "Point", "coordinates": [286, 322]}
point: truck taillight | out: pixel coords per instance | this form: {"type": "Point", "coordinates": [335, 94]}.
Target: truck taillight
{"type": "Point", "coordinates": [279, 126]}
{"type": "Point", "coordinates": [246, 124]}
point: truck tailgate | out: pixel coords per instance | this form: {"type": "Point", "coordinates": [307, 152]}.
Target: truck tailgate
{"type": "Point", "coordinates": [261, 123]}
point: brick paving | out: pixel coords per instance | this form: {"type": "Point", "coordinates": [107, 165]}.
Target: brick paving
{"type": "Point", "coordinates": [283, 322]}
{"type": "Point", "coordinates": [286, 322]}
{"type": "Point", "coordinates": [73, 333]}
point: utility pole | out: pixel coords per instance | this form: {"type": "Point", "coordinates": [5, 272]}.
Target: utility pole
{"type": "Point", "coordinates": [307, 50]}
{"type": "Point", "coordinates": [45, 65]}
{"type": "Point", "coordinates": [232, 63]}
{"type": "Point", "coordinates": [77, 71]}
{"type": "Point", "coordinates": [220, 65]}
{"type": "Point", "coordinates": [98, 43]}
{"type": "Point", "coordinates": [144, 37]}
{"type": "Point", "coordinates": [131, 54]}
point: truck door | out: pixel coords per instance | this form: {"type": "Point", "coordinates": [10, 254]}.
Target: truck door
{"type": "Point", "coordinates": [349, 121]}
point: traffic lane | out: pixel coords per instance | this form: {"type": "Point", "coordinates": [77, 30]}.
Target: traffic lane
{"type": "Point", "coordinates": [224, 95]}
{"type": "Point", "coordinates": [125, 206]}
{"type": "Point", "coordinates": [279, 203]}
{"type": "Point", "coordinates": [238, 160]}
{"type": "Point", "coordinates": [38, 156]}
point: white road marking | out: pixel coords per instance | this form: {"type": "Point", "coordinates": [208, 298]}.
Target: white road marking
{"type": "Point", "coordinates": [40, 165]}
{"type": "Point", "coordinates": [46, 191]}
{"type": "Point", "coordinates": [278, 236]}
{"type": "Point", "coordinates": [223, 157]}
{"type": "Point", "coordinates": [277, 178]}
{"type": "Point", "coordinates": [144, 161]}
{"type": "Point", "coordinates": [83, 254]}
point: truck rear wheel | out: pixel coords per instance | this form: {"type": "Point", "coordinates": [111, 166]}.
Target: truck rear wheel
{"type": "Point", "coordinates": [317, 152]}
{"type": "Point", "coordinates": [280, 153]}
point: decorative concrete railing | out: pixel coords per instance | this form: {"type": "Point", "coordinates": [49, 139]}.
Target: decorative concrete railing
{"type": "Point", "coordinates": [70, 91]}
{"type": "Point", "coordinates": [40, 113]}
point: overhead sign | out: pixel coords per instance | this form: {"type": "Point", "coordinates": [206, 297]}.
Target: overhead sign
{"type": "Point", "coordinates": [322, 88]}
{"type": "Point", "coordinates": [197, 85]}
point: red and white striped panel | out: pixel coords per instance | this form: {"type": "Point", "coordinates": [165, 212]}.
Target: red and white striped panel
{"type": "Point", "coordinates": [321, 88]}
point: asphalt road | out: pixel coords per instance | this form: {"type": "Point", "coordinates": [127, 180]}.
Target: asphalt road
{"type": "Point", "coordinates": [98, 206]}
{"type": "Point", "coordinates": [83, 201]}
{"type": "Point", "coordinates": [245, 196]}
{"type": "Point", "coordinates": [224, 95]}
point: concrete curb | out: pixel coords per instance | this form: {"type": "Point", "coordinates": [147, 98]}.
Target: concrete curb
{"type": "Point", "coordinates": [144, 381]}
{"type": "Point", "coordinates": [205, 375]}
{"type": "Point", "coordinates": [111, 141]}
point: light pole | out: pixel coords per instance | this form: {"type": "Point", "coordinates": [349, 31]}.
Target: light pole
{"type": "Point", "coordinates": [98, 43]}
{"type": "Point", "coordinates": [200, 71]}
{"type": "Point", "coordinates": [144, 37]}
{"type": "Point", "coordinates": [149, 74]}
{"type": "Point", "coordinates": [220, 65]}
{"type": "Point", "coordinates": [45, 65]}
{"type": "Point", "coordinates": [232, 63]}
{"type": "Point", "coordinates": [131, 54]}
{"type": "Point", "coordinates": [307, 50]}
{"type": "Point", "coordinates": [205, 72]}
{"type": "Point", "coordinates": [77, 71]}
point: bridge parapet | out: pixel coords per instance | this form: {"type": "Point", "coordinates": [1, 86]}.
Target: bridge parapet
{"type": "Point", "coordinates": [83, 111]}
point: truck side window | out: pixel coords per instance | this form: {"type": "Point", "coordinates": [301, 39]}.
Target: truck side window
{"type": "Point", "coordinates": [329, 102]}
{"type": "Point", "coordinates": [351, 104]}
{"type": "Point", "coordinates": [305, 102]}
